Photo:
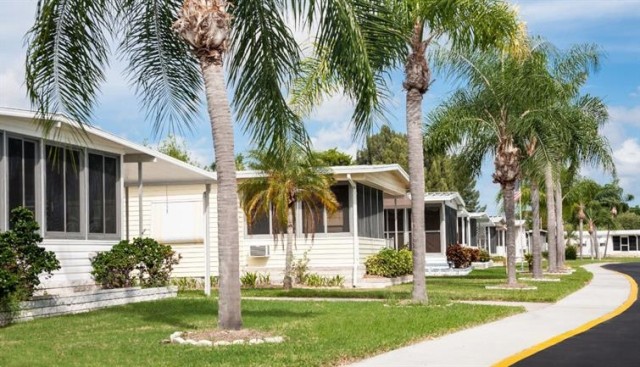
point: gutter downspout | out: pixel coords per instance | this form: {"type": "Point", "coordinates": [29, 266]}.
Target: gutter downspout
{"type": "Point", "coordinates": [356, 239]}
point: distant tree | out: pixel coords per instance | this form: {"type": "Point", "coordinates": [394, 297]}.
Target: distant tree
{"type": "Point", "coordinates": [440, 174]}
{"type": "Point", "coordinates": [239, 162]}
{"type": "Point", "coordinates": [385, 147]}
{"type": "Point", "coordinates": [333, 157]}
{"type": "Point", "coordinates": [466, 186]}
{"type": "Point", "coordinates": [628, 220]}
{"type": "Point", "coordinates": [177, 149]}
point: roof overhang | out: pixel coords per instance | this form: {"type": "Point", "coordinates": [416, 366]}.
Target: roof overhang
{"type": "Point", "coordinates": [158, 168]}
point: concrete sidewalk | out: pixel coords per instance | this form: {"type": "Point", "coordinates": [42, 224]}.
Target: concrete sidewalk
{"type": "Point", "coordinates": [490, 343]}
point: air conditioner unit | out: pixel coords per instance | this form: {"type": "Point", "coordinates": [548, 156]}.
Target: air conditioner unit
{"type": "Point", "coordinates": [259, 250]}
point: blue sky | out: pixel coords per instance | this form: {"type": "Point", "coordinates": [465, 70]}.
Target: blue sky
{"type": "Point", "coordinates": [610, 23]}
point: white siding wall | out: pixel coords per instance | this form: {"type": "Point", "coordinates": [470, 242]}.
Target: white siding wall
{"type": "Point", "coordinates": [370, 246]}
{"type": "Point", "coordinates": [186, 239]}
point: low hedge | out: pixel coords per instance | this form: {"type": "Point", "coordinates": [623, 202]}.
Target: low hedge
{"type": "Point", "coordinates": [390, 263]}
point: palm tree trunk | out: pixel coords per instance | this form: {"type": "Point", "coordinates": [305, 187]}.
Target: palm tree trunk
{"type": "Point", "coordinates": [229, 311]}
{"type": "Point", "coordinates": [606, 242]}
{"type": "Point", "coordinates": [560, 244]}
{"type": "Point", "coordinates": [535, 236]}
{"type": "Point", "coordinates": [288, 281]}
{"type": "Point", "coordinates": [580, 237]}
{"type": "Point", "coordinates": [551, 218]}
{"type": "Point", "coordinates": [509, 213]}
{"type": "Point", "coordinates": [416, 83]}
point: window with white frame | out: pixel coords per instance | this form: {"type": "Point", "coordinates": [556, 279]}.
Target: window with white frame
{"type": "Point", "coordinates": [21, 172]}
{"type": "Point", "coordinates": [103, 188]}
{"type": "Point", "coordinates": [62, 197]}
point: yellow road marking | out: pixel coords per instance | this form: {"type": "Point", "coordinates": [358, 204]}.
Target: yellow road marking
{"type": "Point", "coordinates": [633, 296]}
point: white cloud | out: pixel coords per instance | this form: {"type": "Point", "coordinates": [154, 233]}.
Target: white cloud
{"type": "Point", "coordinates": [338, 134]}
{"type": "Point", "coordinates": [12, 91]}
{"type": "Point", "coordinates": [335, 108]}
{"type": "Point", "coordinates": [635, 93]}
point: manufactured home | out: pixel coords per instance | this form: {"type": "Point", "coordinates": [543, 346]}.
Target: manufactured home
{"type": "Point", "coordinates": [90, 190]}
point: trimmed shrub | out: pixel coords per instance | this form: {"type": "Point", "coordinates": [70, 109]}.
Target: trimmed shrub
{"type": "Point", "coordinates": [460, 256]}
{"type": "Point", "coordinates": [152, 261]}
{"type": "Point", "coordinates": [570, 252]}
{"type": "Point", "coordinates": [390, 263]}
{"type": "Point", "coordinates": [545, 255]}
{"type": "Point", "coordinates": [114, 268]}
{"type": "Point", "coordinates": [498, 258]}
{"type": "Point", "coordinates": [484, 256]}
{"type": "Point", "coordinates": [155, 262]}
{"type": "Point", "coordinates": [22, 261]}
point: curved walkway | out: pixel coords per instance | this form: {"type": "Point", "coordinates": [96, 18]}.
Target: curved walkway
{"type": "Point", "coordinates": [491, 343]}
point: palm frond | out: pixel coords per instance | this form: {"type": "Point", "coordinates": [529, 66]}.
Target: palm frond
{"type": "Point", "coordinates": [262, 56]}
{"type": "Point", "coordinates": [166, 76]}
{"type": "Point", "coordinates": [67, 54]}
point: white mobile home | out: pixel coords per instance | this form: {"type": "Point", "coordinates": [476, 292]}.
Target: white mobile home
{"type": "Point", "coordinates": [84, 190]}
{"type": "Point", "coordinates": [340, 242]}
{"type": "Point", "coordinates": [89, 191]}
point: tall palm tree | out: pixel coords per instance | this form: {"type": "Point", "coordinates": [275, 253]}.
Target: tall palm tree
{"type": "Point", "coordinates": [289, 178]}
{"type": "Point", "coordinates": [466, 25]}
{"type": "Point", "coordinates": [495, 115]}
{"type": "Point", "coordinates": [174, 48]}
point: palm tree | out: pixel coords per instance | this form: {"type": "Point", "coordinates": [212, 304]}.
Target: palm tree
{"type": "Point", "coordinates": [175, 47]}
{"type": "Point", "coordinates": [289, 178]}
{"type": "Point", "coordinates": [466, 25]}
{"type": "Point", "coordinates": [495, 115]}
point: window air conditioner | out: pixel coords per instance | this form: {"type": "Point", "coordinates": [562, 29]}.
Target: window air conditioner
{"type": "Point", "coordinates": [259, 250]}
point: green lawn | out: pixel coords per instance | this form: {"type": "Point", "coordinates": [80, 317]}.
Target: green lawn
{"type": "Point", "coordinates": [444, 289]}
{"type": "Point", "coordinates": [317, 333]}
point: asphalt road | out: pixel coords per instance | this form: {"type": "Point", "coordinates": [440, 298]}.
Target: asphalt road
{"type": "Point", "coordinates": [613, 343]}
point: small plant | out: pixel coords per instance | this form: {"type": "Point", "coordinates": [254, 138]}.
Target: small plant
{"type": "Point", "coordinates": [528, 257]}
{"type": "Point", "coordinates": [214, 279]}
{"type": "Point", "coordinates": [153, 262]}
{"type": "Point", "coordinates": [545, 255]}
{"type": "Point", "coordinates": [390, 263]}
{"type": "Point", "coordinates": [249, 280]}
{"type": "Point", "coordinates": [570, 253]}
{"type": "Point", "coordinates": [497, 258]}
{"type": "Point", "coordinates": [264, 280]}
{"type": "Point", "coordinates": [300, 268]}
{"type": "Point", "coordinates": [185, 284]}
{"type": "Point", "coordinates": [22, 260]}
{"type": "Point", "coordinates": [315, 280]}
{"type": "Point", "coordinates": [483, 256]}
{"type": "Point", "coordinates": [459, 255]}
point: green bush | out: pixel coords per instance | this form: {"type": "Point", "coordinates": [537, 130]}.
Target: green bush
{"type": "Point", "coordinates": [22, 260]}
{"type": "Point", "coordinates": [300, 268]}
{"type": "Point", "coordinates": [155, 262]}
{"type": "Point", "coordinates": [545, 255]}
{"type": "Point", "coordinates": [570, 253]}
{"type": "Point", "coordinates": [152, 261]}
{"type": "Point", "coordinates": [498, 258]}
{"type": "Point", "coordinates": [461, 256]}
{"type": "Point", "coordinates": [484, 256]}
{"type": "Point", "coordinates": [390, 263]}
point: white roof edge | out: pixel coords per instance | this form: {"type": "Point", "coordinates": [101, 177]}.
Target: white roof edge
{"type": "Point", "coordinates": [109, 136]}
{"type": "Point", "coordinates": [341, 170]}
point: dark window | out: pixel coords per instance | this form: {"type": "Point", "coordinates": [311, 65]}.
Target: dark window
{"type": "Point", "coordinates": [260, 225]}
{"type": "Point", "coordinates": [370, 212]}
{"type": "Point", "coordinates": [312, 218]}
{"type": "Point", "coordinates": [22, 173]}
{"type": "Point", "coordinates": [339, 221]}
{"type": "Point", "coordinates": [432, 218]}
{"type": "Point", "coordinates": [451, 216]}
{"type": "Point", "coordinates": [633, 244]}
{"type": "Point", "coordinates": [103, 179]}
{"type": "Point", "coordinates": [63, 189]}
{"type": "Point", "coordinates": [616, 243]}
